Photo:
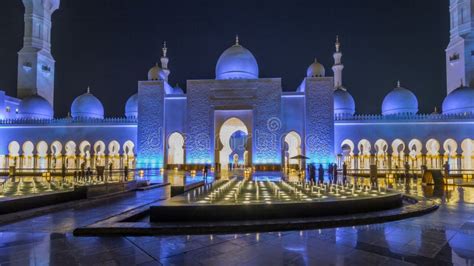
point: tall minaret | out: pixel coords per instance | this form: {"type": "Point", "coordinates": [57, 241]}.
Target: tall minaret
{"type": "Point", "coordinates": [338, 66]}
{"type": "Point", "coordinates": [35, 62]}
{"type": "Point", "coordinates": [164, 62]}
{"type": "Point", "coordinates": [460, 51]}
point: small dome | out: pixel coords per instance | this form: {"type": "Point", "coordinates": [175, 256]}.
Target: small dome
{"type": "Point", "coordinates": [344, 103]}
{"type": "Point", "coordinates": [87, 106]}
{"type": "Point", "coordinates": [131, 107]}
{"type": "Point", "coordinates": [316, 69]}
{"type": "Point", "coordinates": [35, 107]}
{"type": "Point", "coordinates": [155, 73]}
{"type": "Point", "coordinates": [459, 101]}
{"type": "Point", "coordinates": [400, 101]}
{"type": "Point", "coordinates": [177, 90]}
{"type": "Point", "coordinates": [237, 63]}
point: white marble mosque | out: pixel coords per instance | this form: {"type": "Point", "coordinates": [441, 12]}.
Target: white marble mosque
{"type": "Point", "coordinates": [237, 117]}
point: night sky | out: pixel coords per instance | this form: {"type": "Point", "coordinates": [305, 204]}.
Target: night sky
{"type": "Point", "coordinates": [111, 44]}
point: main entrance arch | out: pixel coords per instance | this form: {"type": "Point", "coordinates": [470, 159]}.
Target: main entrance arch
{"type": "Point", "coordinates": [233, 144]}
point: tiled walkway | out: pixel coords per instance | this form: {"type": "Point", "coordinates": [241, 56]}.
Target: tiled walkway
{"type": "Point", "coordinates": [444, 237]}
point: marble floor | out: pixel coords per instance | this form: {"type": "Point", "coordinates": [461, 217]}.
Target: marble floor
{"type": "Point", "coordinates": [445, 237]}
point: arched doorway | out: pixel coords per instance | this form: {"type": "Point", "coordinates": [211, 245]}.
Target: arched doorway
{"type": "Point", "coordinates": [381, 148]}
{"type": "Point", "coordinates": [70, 157]}
{"type": "Point", "coordinates": [347, 151]}
{"type": "Point", "coordinates": [233, 140]}
{"type": "Point", "coordinates": [128, 153]}
{"type": "Point", "coordinates": [175, 149]}
{"type": "Point", "coordinates": [415, 147]}
{"type": "Point", "coordinates": [99, 153]}
{"type": "Point", "coordinates": [398, 154]}
{"type": "Point", "coordinates": [291, 148]}
{"type": "Point", "coordinates": [467, 147]}
{"type": "Point", "coordinates": [450, 153]}
{"type": "Point", "coordinates": [28, 157]}
{"type": "Point", "coordinates": [365, 149]}
{"type": "Point", "coordinates": [56, 154]}
{"type": "Point", "coordinates": [114, 154]}
{"type": "Point", "coordinates": [42, 154]}
{"type": "Point", "coordinates": [13, 153]}
{"type": "Point", "coordinates": [432, 156]}
{"type": "Point", "coordinates": [85, 153]}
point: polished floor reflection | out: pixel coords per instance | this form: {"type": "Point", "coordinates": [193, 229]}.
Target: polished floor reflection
{"type": "Point", "coordinates": [444, 237]}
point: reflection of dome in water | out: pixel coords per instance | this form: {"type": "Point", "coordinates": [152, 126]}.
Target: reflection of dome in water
{"type": "Point", "coordinates": [461, 244]}
{"type": "Point", "coordinates": [397, 240]}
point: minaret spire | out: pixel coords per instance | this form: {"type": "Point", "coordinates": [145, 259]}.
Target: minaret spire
{"type": "Point", "coordinates": [36, 65]}
{"type": "Point", "coordinates": [338, 66]}
{"type": "Point", "coordinates": [164, 61]}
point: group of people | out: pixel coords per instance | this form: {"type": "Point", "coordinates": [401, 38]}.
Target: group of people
{"type": "Point", "coordinates": [332, 171]}
{"type": "Point", "coordinates": [86, 174]}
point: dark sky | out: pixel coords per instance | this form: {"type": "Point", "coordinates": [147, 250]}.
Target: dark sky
{"type": "Point", "coordinates": [111, 44]}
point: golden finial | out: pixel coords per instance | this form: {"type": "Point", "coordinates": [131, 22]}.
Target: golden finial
{"type": "Point", "coordinates": [338, 44]}
{"type": "Point", "coordinates": [236, 39]}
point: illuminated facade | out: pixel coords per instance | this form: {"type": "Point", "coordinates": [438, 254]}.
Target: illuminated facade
{"type": "Point", "coordinates": [236, 119]}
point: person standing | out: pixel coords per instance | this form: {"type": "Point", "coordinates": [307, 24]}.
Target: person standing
{"type": "Point", "coordinates": [334, 169]}
{"type": "Point", "coordinates": [446, 169]}
{"type": "Point", "coordinates": [205, 172]}
{"type": "Point", "coordinates": [344, 172]}
{"type": "Point", "coordinates": [407, 170]}
{"type": "Point", "coordinates": [321, 174]}
{"type": "Point", "coordinates": [330, 172]}
{"type": "Point", "coordinates": [312, 174]}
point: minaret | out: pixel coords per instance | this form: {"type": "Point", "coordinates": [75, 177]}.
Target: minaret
{"type": "Point", "coordinates": [35, 62]}
{"type": "Point", "coordinates": [164, 62]}
{"type": "Point", "coordinates": [459, 63]}
{"type": "Point", "coordinates": [338, 66]}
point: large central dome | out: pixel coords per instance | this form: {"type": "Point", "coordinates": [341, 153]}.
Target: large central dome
{"type": "Point", "coordinates": [237, 63]}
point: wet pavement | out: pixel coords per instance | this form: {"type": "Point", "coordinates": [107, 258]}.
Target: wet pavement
{"type": "Point", "coordinates": [444, 237]}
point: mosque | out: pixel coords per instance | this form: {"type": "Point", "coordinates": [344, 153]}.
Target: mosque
{"type": "Point", "coordinates": [237, 118]}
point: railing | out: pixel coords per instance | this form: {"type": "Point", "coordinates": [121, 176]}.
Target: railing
{"type": "Point", "coordinates": [415, 117]}
{"type": "Point", "coordinates": [68, 121]}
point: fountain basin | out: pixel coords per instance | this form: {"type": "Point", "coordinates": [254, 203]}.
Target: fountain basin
{"type": "Point", "coordinates": [237, 201]}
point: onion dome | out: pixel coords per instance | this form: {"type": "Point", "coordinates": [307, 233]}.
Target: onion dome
{"type": "Point", "coordinates": [344, 103]}
{"type": "Point", "coordinates": [237, 63]}
{"type": "Point", "coordinates": [316, 69]}
{"type": "Point", "coordinates": [35, 107]}
{"type": "Point", "coordinates": [400, 101]}
{"type": "Point", "coordinates": [87, 106]}
{"type": "Point", "coordinates": [131, 107]}
{"type": "Point", "coordinates": [155, 73]}
{"type": "Point", "coordinates": [459, 101]}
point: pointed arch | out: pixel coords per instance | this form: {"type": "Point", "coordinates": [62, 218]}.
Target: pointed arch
{"type": "Point", "coordinates": [467, 147]}
{"type": "Point", "coordinates": [28, 157]}
{"type": "Point", "coordinates": [114, 154]}
{"type": "Point", "coordinates": [175, 149]}
{"type": "Point", "coordinates": [450, 147]}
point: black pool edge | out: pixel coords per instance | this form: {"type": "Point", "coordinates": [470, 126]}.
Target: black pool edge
{"type": "Point", "coordinates": [114, 226]}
